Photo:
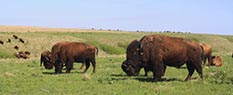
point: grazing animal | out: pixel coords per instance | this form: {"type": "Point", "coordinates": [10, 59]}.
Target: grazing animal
{"type": "Point", "coordinates": [21, 54]}
{"type": "Point", "coordinates": [216, 61]}
{"type": "Point", "coordinates": [155, 52]}
{"type": "Point", "coordinates": [16, 37]}
{"type": "Point", "coordinates": [9, 40]}
{"type": "Point", "coordinates": [232, 55]}
{"type": "Point", "coordinates": [45, 59]}
{"type": "Point", "coordinates": [21, 40]}
{"type": "Point", "coordinates": [207, 53]}
{"type": "Point", "coordinates": [1, 42]}
{"type": "Point", "coordinates": [76, 52]}
{"type": "Point", "coordinates": [55, 51]}
{"type": "Point", "coordinates": [27, 52]}
{"type": "Point", "coordinates": [16, 47]}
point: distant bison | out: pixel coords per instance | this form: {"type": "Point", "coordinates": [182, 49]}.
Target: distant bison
{"type": "Point", "coordinates": [22, 54]}
{"type": "Point", "coordinates": [232, 55]}
{"type": "Point", "coordinates": [216, 61]}
{"type": "Point", "coordinates": [155, 52]}
{"type": "Point", "coordinates": [16, 47]}
{"type": "Point", "coordinates": [16, 37]}
{"type": "Point", "coordinates": [207, 53]}
{"type": "Point", "coordinates": [27, 52]}
{"type": "Point", "coordinates": [45, 59]}
{"type": "Point", "coordinates": [21, 40]}
{"type": "Point", "coordinates": [76, 52]}
{"type": "Point", "coordinates": [1, 42]}
{"type": "Point", "coordinates": [9, 40]}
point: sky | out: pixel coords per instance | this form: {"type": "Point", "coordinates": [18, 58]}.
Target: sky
{"type": "Point", "coordinates": [196, 16]}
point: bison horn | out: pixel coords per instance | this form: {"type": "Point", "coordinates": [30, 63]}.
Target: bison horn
{"type": "Point", "coordinates": [47, 58]}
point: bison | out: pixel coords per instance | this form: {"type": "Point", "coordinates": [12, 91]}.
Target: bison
{"type": "Point", "coordinates": [76, 52]}
{"type": "Point", "coordinates": [54, 52]}
{"type": "Point", "coordinates": [232, 55]}
{"type": "Point", "coordinates": [16, 37]}
{"type": "Point", "coordinates": [22, 54]}
{"type": "Point", "coordinates": [155, 52]}
{"type": "Point", "coordinates": [216, 61]}
{"type": "Point", "coordinates": [45, 59]}
{"type": "Point", "coordinates": [16, 47]}
{"type": "Point", "coordinates": [1, 42]}
{"type": "Point", "coordinates": [207, 53]}
{"type": "Point", "coordinates": [21, 40]}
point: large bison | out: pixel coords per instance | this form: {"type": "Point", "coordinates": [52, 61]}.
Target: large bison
{"type": "Point", "coordinates": [75, 52]}
{"type": "Point", "coordinates": [45, 59]}
{"type": "Point", "coordinates": [207, 53]}
{"type": "Point", "coordinates": [155, 52]}
{"type": "Point", "coordinates": [55, 51]}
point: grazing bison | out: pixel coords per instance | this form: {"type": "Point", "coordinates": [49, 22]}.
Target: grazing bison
{"type": "Point", "coordinates": [216, 61]}
{"type": "Point", "coordinates": [22, 54]}
{"type": "Point", "coordinates": [21, 40]}
{"type": "Point", "coordinates": [16, 37]}
{"type": "Point", "coordinates": [76, 52]}
{"type": "Point", "coordinates": [207, 53]}
{"type": "Point", "coordinates": [1, 42]}
{"type": "Point", "coordinates": [16, 47]}
{"type": "Point", "coordinates": [232, 55]}
{"type": "Point", "coordinates": [9, 40]}
{"type": "Point", "coordinates": [45, 59]}
{"type": "Point", "coordinates": [27, 52]}
{"type": "Point", "coordinates": [55, 50]}
{"type": "Point", "coordinates": [155, 52]}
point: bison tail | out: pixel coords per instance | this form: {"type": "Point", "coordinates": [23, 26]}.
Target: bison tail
{"type": "Point", "coordinates": [97, 51]}
{"type": "Point", "coordinates": [202, 53]}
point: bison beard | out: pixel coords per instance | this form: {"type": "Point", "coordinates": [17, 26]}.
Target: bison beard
{"type": "Point", "coordinates": [75, 52]}
{"type": "Point", "coordinates": [155, 52]}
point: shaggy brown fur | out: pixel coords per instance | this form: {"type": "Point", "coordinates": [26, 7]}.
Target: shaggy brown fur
{"type": "Point", "coordinates": [207, 53]}
{"type": "Point", "coordinates": [75, 52]}
{"type": "Point", "coordinates": [155, 52]}
{"type": "Point", "coordinates": [216, 61]}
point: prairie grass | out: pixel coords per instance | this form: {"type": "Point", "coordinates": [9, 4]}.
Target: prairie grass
{"type": "Point", "coordinates": [26, 77]}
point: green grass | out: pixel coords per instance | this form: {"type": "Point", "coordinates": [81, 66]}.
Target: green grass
{"type": "Point", "coordinates": [26, 77]}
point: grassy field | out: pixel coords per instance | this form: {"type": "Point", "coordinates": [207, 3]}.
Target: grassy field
{"type": "Point", "coordinates": [26, 77]}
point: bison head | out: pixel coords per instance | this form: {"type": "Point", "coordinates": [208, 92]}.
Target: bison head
{"type": "Point", "coordinates": [48, 62]}
{"type": "Point", "coordinates": [133, 63]}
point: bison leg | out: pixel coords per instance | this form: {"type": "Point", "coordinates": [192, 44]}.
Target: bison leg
{"type": "Point", "coordinates": [82, 65]}
{"type": "Point", "coordinates": [199, 69]}
{"type": "Point", "coordinates": [93, 65]}
{"type": "Point", "coordinates": [190, 67]}
{"type": "Point", "coordinates": [69, 66]}
{"type": "Point", "coordinates": [58, 67]}
{"type": "Point", "coordinates": [87, 66]}
{"type": "Point", "coordinates": [209, 61]}
{"type": "Point", "coordinates": [158, 71]}
{"type": "Point", "coordinates": [146, 70]}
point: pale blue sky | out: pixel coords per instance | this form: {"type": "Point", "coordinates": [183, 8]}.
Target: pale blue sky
{"type": "Point", "coordinates": [197, 16]}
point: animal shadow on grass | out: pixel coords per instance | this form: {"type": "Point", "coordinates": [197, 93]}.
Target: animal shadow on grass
{"type": "Point", "coordinates": [64, 72]}
{"type": "Point", "coordinates": [52, 73]}
{"type": "Point", "coordinates": [146, 79]}
{"type": "Point", "coordinates": [118, 77]}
